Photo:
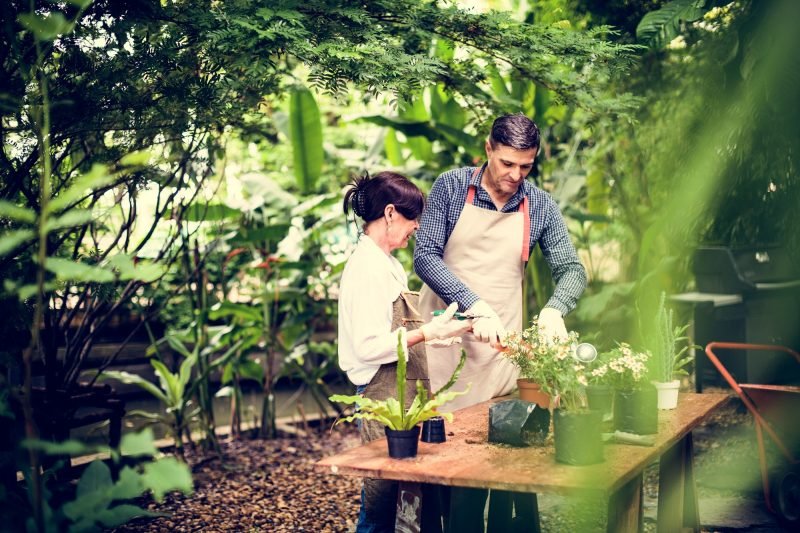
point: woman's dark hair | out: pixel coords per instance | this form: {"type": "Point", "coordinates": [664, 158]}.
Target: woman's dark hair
{"type": "Point", "coordinates": [517, 131]}
{"type": "Point", "coordinates": [369, 195]}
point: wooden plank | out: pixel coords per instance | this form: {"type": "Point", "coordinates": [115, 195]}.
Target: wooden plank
{"type": "Point", "coordinates": [625, 507]}
{"type": "Point", "coordinates": [691, 507]}
{"type": "Point", "coordinates": [466, 459]}
{"type": "Point", "coordinates": [677, 498]}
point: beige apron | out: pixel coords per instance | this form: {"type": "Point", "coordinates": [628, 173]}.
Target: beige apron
{"type": "Point", "coordinates": [487, 251]}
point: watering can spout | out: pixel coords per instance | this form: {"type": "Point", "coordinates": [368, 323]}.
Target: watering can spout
{"type": "Point", "coordinates": [584, 352]}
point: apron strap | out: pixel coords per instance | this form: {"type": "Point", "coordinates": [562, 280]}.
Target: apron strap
{"type": "Point", "coordinates": [526, 233]}
{"type": "Point", "coordinates": [523, 207]}
{"type": "Point", "coordinates": [471, 188]}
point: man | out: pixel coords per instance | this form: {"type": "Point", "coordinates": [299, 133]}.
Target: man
{"type": "Point", "coordinates": [475, 238]}
{"type": "Point", "coordinates": [476, 235]}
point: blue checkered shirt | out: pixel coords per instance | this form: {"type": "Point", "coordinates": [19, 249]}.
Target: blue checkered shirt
{"type": "Point", "coordinates": [548, 229]}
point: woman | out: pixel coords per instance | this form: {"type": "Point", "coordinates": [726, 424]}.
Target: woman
{"type": "Point", "coordinates": [375, 306]}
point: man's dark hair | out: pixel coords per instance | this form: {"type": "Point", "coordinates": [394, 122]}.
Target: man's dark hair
{"type": "Point", "coordinates": [517, 131]}
{"type": "Point", "coordinates": [368, 195]}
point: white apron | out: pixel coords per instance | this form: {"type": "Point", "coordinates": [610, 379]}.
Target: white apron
{"type": "Point", "coordinates": [487, 251]}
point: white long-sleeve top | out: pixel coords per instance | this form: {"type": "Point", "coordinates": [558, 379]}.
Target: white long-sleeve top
{"type": "Point", "coordinates": [371, 282]}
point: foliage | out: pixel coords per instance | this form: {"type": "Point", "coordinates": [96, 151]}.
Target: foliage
{"type": "Point", "coordinates": [219, 66]}
{"type": "Point", "coordinates": [391, 412]}
{"type": "Point", "coordinates": [279, 294]}
{"type": "Point", "coordinates": [668, 360]}
{"type": "Point", "coordinates": [176, 390]}
{"type": "Point", "coordinates": [534, 355]}
{"type": "Point", "coordinates": [657, 28]}
{"type": "Point", "coordinates": [710, 158]}
{"type": "Point", "coordinates": [315, 364]}
{"type": "Point", "coordinates": [89, 271]}
{"type": "Point", "coordinates": [550, 364]}
{"type": "Point", "coordinates": [103, 497]}
{"type": "Point", "coordinates": [622, 368]}
{"type": "Point", "coordinates": [305, 132]}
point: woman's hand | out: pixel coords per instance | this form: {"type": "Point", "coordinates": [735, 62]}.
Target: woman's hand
{"type": "Point", "coordinates": [444, 326]}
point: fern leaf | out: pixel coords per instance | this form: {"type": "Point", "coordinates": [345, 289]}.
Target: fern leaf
{"type": "Point", "coordinates": [455, 375]}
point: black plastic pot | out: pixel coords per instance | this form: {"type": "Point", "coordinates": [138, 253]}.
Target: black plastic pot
{"type": "Point", "coordinates": [601, 398]}
{"type": "Point", "coordinates": [518, 423]}
{"type": "Point", "coordinates": [636, 410]}
{"type": "Point", "coordinates": [402, 442]}
{"type": "Point", "coordinates": [577, 437]}
{"type": "Point", "coordinates": [433, 430]}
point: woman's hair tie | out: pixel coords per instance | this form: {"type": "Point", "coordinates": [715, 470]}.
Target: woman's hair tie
{"type": "Point", "coordinates": [360, 207]}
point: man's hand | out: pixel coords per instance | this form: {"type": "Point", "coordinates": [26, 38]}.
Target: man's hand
{"type": "Point", "coordinates": [551, 325]}
{"type": "Point", "coordinates": [444, 327]}
{"type": "Point", "coordinates": [487, 326]}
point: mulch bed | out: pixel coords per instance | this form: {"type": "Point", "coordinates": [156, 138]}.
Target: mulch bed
{"type": "Point", "coordinates": [264, 485]}
{"type": "Point", "coordinates": [271, 485]}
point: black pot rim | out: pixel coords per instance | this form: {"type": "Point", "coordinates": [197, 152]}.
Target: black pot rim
{"type": "Point", "coordinates": [401, 432]}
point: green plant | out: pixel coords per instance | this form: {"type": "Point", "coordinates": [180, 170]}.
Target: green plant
{"type": "Point", "coordinates": [625, 368]}
{"type": "Point", "coordinates": [657, 28]}
{"type": "Point", "coordinates": [550, 364]}
{"type": "Point", "coordinates": [314, 364]}
{"type": "Point", "coordinates": [175, 390]}
{"type": "Point", "coordinates": [668, 361]}
{"type": "Point", "coordinates": [103, 500]}
{"type": "Point", "coordinates": [392, 412]}
{"type": "Point", "coordinates": [535, 357]}
{"type": "Point", "coordinates": [596, 372]}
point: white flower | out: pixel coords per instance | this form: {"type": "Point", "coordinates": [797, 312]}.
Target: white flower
{"type": "Point", "coordinates": [678, 43]}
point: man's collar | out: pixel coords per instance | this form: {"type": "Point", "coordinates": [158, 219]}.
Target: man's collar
{"type": "Point", "coordinates": [512, 203]}
{"type": "Point", "coordinates": [475, 177]}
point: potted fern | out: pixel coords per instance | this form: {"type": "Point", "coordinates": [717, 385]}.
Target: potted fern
{"type": "Point", "coordinates": [401, 424]}
{"type": "Point", "coordinates": [669, 361]}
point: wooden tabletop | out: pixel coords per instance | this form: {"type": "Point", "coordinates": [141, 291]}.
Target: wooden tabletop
{"type": "Point", "coordinates": [467, 459]}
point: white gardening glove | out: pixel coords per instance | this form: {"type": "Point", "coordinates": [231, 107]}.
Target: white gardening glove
{"type": "Point", "coordinates": [443, 343]}
{"type": "Point", "coordinates": [487, 326]}
{"type": "Point", "coordinates": [551, 325]}
{"type": "Point", "coordinates": [444, 326]}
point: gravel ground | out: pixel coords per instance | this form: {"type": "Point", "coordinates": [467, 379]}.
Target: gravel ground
{"type": "Point", "coordinates": [264, 485]}
{"type": "Point", "coordinates": [272, 486]}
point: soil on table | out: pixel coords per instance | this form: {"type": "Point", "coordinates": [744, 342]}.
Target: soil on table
{"type": "Point", "coordinates": [271, 485]}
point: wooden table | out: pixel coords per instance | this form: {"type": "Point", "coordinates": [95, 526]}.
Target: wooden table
{"type": "Point", "coordinates": [468, 460]}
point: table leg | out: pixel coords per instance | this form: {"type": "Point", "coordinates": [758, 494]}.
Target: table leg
{"type": "Point", "coordinates": [677, 497]}
{"type": "Point", "coordinates": [466, 510]}
{"type": "Point", "coordinates": [501, 510]}
{"type": "Point", "coordinates": [625, 509]}
{"type": "Point", "coordinates": [409, 508]}
{"type": "Point", "coordinates": [433, 505]}
{"type": "Point", "coordinates": [516, 512]}
{"type": "Point", "coordinates": [526, 512]}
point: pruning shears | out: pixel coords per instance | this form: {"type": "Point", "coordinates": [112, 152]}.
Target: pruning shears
{"type": "Point", "coordinates": [457, 316]}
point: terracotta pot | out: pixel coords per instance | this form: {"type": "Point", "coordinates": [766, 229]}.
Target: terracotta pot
{"type": "Point", "coordinates": [667, 393]}
{"type": "Point", "coordinates": [531, 392]}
